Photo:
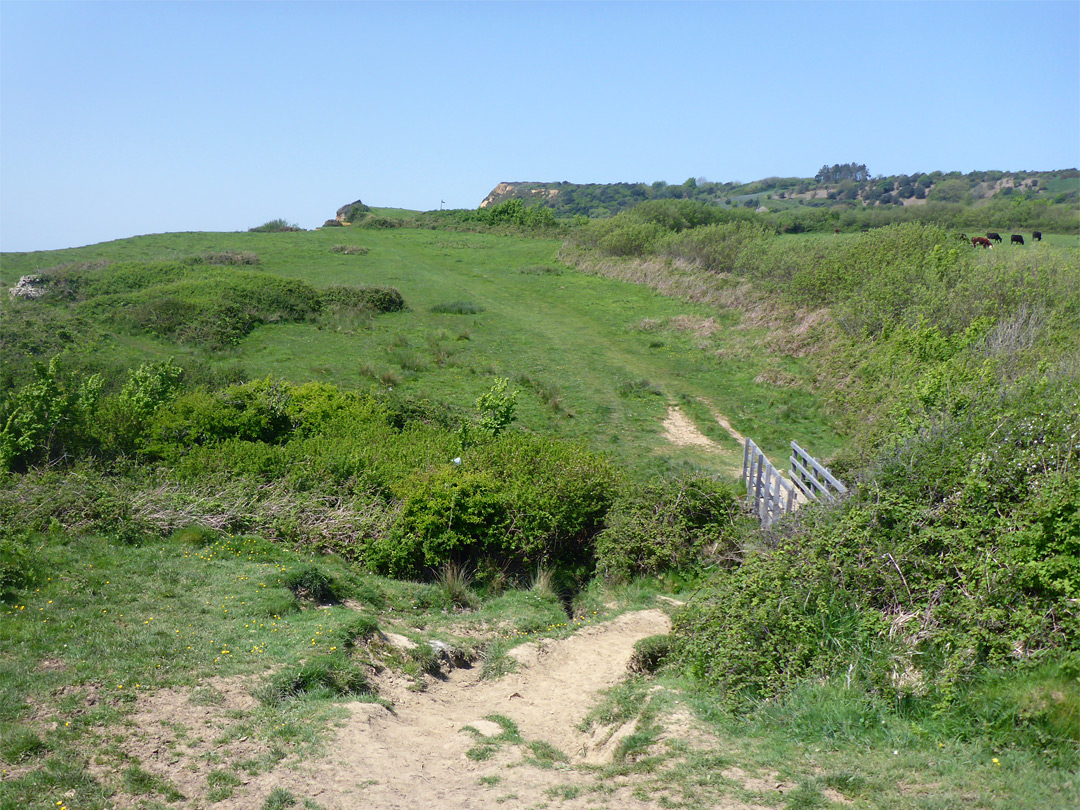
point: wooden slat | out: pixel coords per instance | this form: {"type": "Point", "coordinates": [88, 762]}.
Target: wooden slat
{"type": "Point", "coordinates": [822, 471]}
{"type": "Point", "coordinates": [808, 479]}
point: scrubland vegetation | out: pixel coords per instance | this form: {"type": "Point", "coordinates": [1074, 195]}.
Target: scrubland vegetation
{"type": "Point", "coordinates": [173, 400]}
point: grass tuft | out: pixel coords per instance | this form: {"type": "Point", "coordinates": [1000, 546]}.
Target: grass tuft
{"type": "Point", "coordinates": [457, 308]}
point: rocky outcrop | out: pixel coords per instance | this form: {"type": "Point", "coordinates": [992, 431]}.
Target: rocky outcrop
{"type": "Point", "coordinates": [29, 287]}
{"type": "Point", "coordinates": [521, 191]}
{"type": "Point", "coordinates": [345, 211]}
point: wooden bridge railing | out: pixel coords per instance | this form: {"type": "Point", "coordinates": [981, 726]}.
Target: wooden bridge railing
{"type": "Point", "coordinates": [769, 495]}
{"type": "Point", "coordinates": [812, 479]}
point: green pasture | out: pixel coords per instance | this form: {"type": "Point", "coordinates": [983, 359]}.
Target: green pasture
{"type": "Point", "coordinates": [596, 360]}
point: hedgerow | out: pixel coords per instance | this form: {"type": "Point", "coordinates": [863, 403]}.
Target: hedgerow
{"type": "Point", "coordinates": [958, 551]}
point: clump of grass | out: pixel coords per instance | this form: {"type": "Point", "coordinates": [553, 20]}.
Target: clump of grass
{"type": "Point", "coordinates": [228, 257]}
{"type": "Point", "coordinates": [457, 308]}
{"type": "Point", "coordinates": [221, 784]}
{"type": "Point", "coordinates": [540, 270]}
{"type": "Point", "coordinates": [564, 792]}
{"type": "Point", "coordinates": [457, 581]}
{"type": "Point", "coordinates": [409, 360]}
{"type": "Point", "coordinates": [639, 389]}
{"type": "Point", "coordinates": [350, 250]}
{"type": "Point", "coordinates": [312, 584]}
{"type": "Point", "coordinates": [649, 654]}
{"type": "Point", "coordinates": [20, 744]}
{"type": "Point", "coordinates": [360, 628]}
{"type": "Point", "coordinates": [329, 676]}
{"type": "Point", "coordinates": [495, 661]}
{"type": "Point", "coordinates": [545, 755]}
{"type": "Point", "coordinates": [547, 392]}
{"type": "Point", "coordinates": [195, 536]}
{"type": "Point", "coordinates": [279, 799]}
{"type": "Point", "coordinates": [543, 582]}
{"type": "Point", "coordinates": [139, 782]}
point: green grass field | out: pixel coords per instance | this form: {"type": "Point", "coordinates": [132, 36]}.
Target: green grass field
{"type": "Point", "coordinates": [595, 360]}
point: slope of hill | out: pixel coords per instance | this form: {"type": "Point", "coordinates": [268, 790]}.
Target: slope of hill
{"type": "Point", "coordinates": [837, 189]}
{"type": "Point", "coordinates": [253, 482]}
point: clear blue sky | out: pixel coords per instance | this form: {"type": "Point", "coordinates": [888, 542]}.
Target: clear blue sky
{"type": "Point", "coordinates": [119, 119]}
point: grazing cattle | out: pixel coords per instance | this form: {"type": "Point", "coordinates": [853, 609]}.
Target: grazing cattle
{"type": "Point", "coordinates": [836, 230]}
{"type": "Point", "coordinates": [1016, 239]}
{"type": "Point", "coordinates": [1036, 236]}
{"type": "Point", "coordinates": [980, 241]}
{"type": "Point", "coordinates": [994, 236]}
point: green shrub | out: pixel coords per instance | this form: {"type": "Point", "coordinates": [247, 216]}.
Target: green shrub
{"type": "Point", "coordinates": [379, 299]}
{"type": "Point", "coordinates": [48, 419]}
{"type": "Point", "coordinates": [350, 250]}
{"type": "Point", "coordinates": [357, 213]}
{"type": "Point", "coordinates": [668, 526]}
{"type": "Point", "coordinates": [202, 305]}
{"type": "Point", "coordinates": [255, 411]}
{"type": "Point", "coordinates": [16, 564]}
{"type": "Point", "coordinates": [515, 501]}
{"type": "Point", "coordinates": [458, 308]}
{"type": "Point", "coordinates": [228, 257]}
{"type": "Point", "coordinates": [122, 420]}
{"type": "Point", "coordinates": [275, 226]}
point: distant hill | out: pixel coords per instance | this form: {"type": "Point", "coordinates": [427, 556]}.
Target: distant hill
{"type": "Point", "coordinates": [843, 186]}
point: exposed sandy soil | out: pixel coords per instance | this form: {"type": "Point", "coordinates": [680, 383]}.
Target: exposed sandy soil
{"type": "Point", "coordinates": [682, 432]}
{"type": "Point", "coordinates": [415, 754]}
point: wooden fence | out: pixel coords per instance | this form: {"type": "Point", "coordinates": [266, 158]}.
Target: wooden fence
{"type": "Point", "coordinates": [812, 479]}
{"type": "Point", "coordinates": [769, 495]}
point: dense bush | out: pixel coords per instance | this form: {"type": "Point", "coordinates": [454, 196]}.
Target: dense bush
{"type": "Point", "coordinates": [275, 226]}
{"type": "Point", "coordinates": [379, 299]}
{"type": "Point", "coordinates": [518, 500]}
{"type": "Point", "coordinates": [49, 419]}
{"type": "Point", "coordinates": [667, 526]}
{"type": "Point", "coordinates": [959, 552]}
{"type": "Point", "coordinates": [252, 412]}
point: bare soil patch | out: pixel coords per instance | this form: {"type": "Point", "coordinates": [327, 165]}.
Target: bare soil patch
{"type": "Point", "coordinates": [422, 750]}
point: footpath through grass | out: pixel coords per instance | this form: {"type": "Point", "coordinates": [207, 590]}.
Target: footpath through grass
{"type": "Point", "coordinates": [101, 632]}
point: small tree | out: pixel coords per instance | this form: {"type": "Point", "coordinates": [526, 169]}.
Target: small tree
{"type": "Point", "coordinates": [496, 408]}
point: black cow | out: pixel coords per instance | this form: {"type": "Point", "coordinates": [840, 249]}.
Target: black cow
{"type": "Point", "coordinates": [1036, 236]}
{"type": "Point", "coordinates": [1016, 239]}
{"type": "Point", "coordinates": [995, 236]}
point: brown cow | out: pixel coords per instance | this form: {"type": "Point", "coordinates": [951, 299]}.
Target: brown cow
{"type": "Point", "coordinates": [981, 241]}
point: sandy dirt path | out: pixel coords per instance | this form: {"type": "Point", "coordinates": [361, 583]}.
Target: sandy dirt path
{"type": "Point", "coordinates": [414, 756]}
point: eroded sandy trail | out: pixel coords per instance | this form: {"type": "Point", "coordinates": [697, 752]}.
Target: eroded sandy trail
{"type": "Point", "coordinates": [415, 756]}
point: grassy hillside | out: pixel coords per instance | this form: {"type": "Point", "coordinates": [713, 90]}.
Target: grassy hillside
{"type": "Point", "coordinates": [842, 195]}
{"type": "Point", "coordinates": [595, 360]}
{"type": "Point", "coordinates": [460, 435]}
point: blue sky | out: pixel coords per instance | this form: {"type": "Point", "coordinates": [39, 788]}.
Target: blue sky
{"type": "Point", "coordinates": [119, 119]}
